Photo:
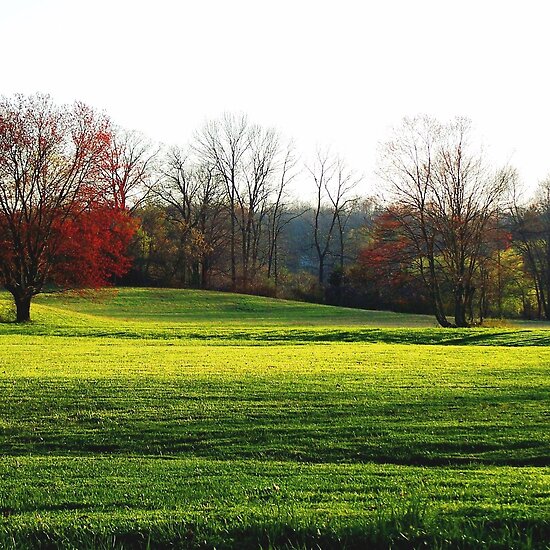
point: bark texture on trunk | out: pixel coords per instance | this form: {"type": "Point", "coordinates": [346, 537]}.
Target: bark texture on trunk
{"type": "Point", "coordinates": [23, 309]}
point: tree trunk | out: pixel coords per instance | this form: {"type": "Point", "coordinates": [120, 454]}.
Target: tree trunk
{"type": "Point", "coordinates": [275, 270]}
{"type": "Point", "coordinates": [245, 253]}
{"type": "Point", "coordinates": [435, 294]}
{"type": "Point", "coordinates": [232, 246]}
{"type": "Point", "coordinates": [460, 306]}
{"type": "Point", "coordinates": [321, 270]}
{"type": "Point", "coordinates": [439, 310]}
{"type": "Point", "coordinates": [23, 308]}
{"type": "Point", "coordinates": [470, 305]}
{"type": "Point", "coordinates": [483, 305]}
{"type": "Point", "coordinates": [204, 273]}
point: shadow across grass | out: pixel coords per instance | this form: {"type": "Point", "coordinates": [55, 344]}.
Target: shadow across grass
{"type": "Point", "coordinates": [253, 335]}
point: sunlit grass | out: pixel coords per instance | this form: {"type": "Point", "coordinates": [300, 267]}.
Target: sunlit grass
{"type": "Point", "coordinates": [221, 318]}
{"type": "Point", "coordinates": [180, 420]}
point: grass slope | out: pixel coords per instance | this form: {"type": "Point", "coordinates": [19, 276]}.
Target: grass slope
{"type": "Point", "coordinates": [222, 318]}
{"type": "Point", "coordinates": [195, 306]}
{"type": "Point", "coordinates": [154, 418]}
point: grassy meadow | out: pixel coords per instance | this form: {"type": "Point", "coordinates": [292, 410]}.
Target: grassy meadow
{"type": "Point", "coordinates": [177, 418]}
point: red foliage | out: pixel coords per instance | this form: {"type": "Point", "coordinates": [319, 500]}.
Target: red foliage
{"type": "Point", "coordinates": [58, 222]}
{"type": "Point", "coordinates": [92, 247]}
{"type": "Point", "coordinates": [385, 268]}
{"type": "Point", "coordinates": [384, 260]}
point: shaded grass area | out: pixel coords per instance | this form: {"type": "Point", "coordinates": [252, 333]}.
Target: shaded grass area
{"type": "Point", "coordinates": [244, 334]}
{"type": "Point", "coordinates": [181, 419]}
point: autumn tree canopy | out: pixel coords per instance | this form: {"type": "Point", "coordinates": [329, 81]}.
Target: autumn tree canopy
{"type": "Point", "coordinates": [59, 223]}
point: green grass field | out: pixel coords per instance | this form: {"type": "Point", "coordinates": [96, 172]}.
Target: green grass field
{"type": "Point", "coordinates": [158, 418]}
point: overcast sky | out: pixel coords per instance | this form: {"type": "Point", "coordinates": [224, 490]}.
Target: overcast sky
{"type": "Point", "coordinates": [336, 73]}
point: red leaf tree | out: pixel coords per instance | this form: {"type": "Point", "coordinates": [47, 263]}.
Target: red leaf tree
{"type": "Point", "coordinates": [58, 222]}
{"type": "Point", "coordinates": [385, 268]}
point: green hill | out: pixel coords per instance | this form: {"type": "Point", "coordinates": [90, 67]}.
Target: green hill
{"type": "Point", "coordinates": [220, 317]}
{"type": "Point", "coordinates": [196, 306]}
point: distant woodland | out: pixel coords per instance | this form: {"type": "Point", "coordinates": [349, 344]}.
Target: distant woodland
{"type": "Point", "coordinates": [238, 209]}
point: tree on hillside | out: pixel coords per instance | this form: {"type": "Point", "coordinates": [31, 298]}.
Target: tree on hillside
{"type": "Point", "coordinates": [194, 197]}
{"type": "Point", "coordinates": [444, 200]}
{"type": "Point", "coordinates": [58, 224]}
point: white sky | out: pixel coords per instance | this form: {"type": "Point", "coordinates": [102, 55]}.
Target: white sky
{"type": "Point", "coordinates": [335, 73]}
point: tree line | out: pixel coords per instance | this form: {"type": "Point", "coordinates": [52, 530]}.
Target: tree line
{"type": "Point", "coordinates": [226, 212]}
{"type": "Point", "coordinates": [84, 202]}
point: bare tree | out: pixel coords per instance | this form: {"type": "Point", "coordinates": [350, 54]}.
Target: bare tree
{"type": "Point", "coordinates": [444, 200]}
{"type": "Point", "coordinates": [466, 198]}
{"type": "Point", "coordinates": [407, 164]}
{"type": "Point", "coordinates": [279, 216]}
{"type": "Point", "coordinates": [222, 145]}
{"type": "Point", "coordinates": [345, 209]}
{"type": "Point", "coordinates": [127, 168]}
{"type": "Point", "coordinates": [334, 186]}
{"type": "Point", "coordinates": [194, 197]}
{"type": "Point", "coordinates": [253, 198]}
